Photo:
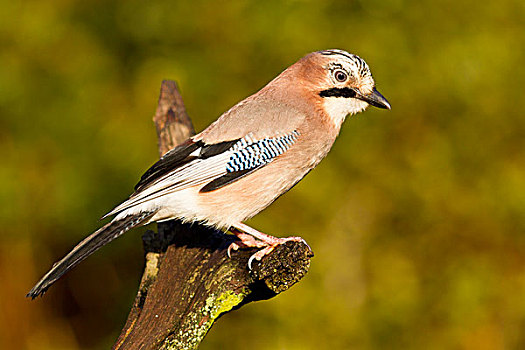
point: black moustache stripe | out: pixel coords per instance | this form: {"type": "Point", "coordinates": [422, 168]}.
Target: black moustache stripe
{"type": "Point", "coordinates": [338, 92]}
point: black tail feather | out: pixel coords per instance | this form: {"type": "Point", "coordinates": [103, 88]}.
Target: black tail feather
{"type": "Point", "coordinates": [87, 247]}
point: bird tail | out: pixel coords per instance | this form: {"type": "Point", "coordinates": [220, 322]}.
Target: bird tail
{"type": "Point", "coordinates": [88, 246]}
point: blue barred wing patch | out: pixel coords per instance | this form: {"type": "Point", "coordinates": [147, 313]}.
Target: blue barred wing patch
{"type": "Point", "coordinates": [250, 155]}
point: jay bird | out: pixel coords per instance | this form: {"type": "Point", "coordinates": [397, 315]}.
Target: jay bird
{"type": "Point", "coordinates": [246, 159]}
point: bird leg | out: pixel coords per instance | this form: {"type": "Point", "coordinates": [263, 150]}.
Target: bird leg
{"type": "Point", "coordinates": [251, 238]}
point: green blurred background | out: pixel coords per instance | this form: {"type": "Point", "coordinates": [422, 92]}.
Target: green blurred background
{"type": "Point", "coordinates": [417, 216]}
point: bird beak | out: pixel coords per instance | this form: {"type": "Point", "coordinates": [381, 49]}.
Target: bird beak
{"type": "Point", "coordinates": [375, 99]}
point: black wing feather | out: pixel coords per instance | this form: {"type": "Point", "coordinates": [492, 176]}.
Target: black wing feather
{"type": "Point", "coordinates": [215, 149]}
{"type": "Point", "coordinates": [172, 159]}
{"type": "Point", "coordinates": [178, 156]}
{"type": "Point", "coordinates": [227, 179]}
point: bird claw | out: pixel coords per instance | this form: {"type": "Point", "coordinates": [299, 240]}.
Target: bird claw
{"type": "Point", "coordinates": [260, 254]}
{"type": "Point", "coordinates": [233, 246]}
{"type": "Point", "coordinates": [256, 239]}
{"type": "Point", "coordinates": [251, 260]}
{"type": "Point", "coordinates": [267, 248]}
{"type": "Point", "coordinates": [246, 241]}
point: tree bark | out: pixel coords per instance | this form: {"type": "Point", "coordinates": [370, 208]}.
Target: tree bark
{"type": "Point", "coordinates": [188, 280]}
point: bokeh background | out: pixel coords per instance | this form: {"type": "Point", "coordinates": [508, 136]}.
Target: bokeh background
{"type": "Point", "coordinates": [417, 216]}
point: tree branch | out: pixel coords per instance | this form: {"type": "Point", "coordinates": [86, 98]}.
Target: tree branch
{"type": "Point", "coordinates": [188, 280]}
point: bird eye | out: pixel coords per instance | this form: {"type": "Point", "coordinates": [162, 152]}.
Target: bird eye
{"type": "Point", "coordinates": [340, 75]}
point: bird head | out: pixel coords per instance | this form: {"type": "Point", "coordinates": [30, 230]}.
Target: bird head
{"type": "Point", "coordinates": [342, 83]}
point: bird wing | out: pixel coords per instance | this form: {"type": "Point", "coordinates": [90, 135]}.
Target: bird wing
{"type": "Point", "coordinates": [211, 165]}
{"type": "Point", "coordinates": [180, 156]}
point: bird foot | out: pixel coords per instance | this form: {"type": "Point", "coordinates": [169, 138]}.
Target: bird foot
{"type": "Point", "coordinates": [271, 246]}
{"type": "Point", "coordinates": [246, 241]}
{"type": "Point", "coordinates": [266, 242]}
